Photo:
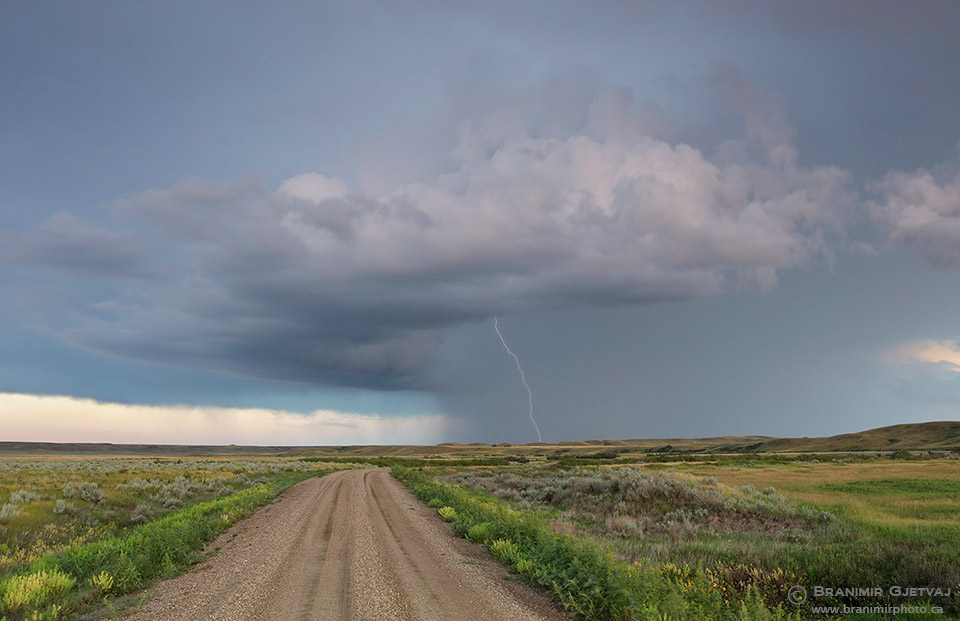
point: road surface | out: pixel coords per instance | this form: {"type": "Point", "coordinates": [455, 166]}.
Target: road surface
{"type": "Point", "coordinates": [351, 545]}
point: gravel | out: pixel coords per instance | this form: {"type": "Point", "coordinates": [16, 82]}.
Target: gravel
{"type": "Point", "coordinates": [351, 545]}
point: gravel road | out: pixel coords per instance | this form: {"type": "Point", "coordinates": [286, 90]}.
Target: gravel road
{"type": "Point", "coordinates": [351, 545]}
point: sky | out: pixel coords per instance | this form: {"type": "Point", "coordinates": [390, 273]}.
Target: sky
{"type": "Point", "coordinates": [297, 223]}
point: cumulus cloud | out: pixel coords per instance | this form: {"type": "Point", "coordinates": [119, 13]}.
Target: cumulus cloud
{"type": "Point", "coordinates": [316, 283]}
{"type": "Point", "coordinates": [920, 210]}
{"type": "Point", "coordinates": [944, 354]}
{"type": "Point", "coordinates": [38, 418]}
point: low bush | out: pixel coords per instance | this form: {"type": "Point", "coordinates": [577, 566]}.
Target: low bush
{"type": "Point", "coordinates": [21, 496]}
{"type": "Point", "coordinates": [62, 506]}
{"type": "Point", "coordinates": [478, 532]}
{"type": "Point", "coordinates": [9, 512]}
{"type": "Point", "coordinates": [658, 500]}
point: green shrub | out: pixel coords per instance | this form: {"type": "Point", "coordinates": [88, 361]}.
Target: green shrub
{"type": "Point", "coordinates": [34, 590]}
{"type": "Point", "coordinates": [478, 532]}
{"type": "Point", "coordinates": [448, 514]}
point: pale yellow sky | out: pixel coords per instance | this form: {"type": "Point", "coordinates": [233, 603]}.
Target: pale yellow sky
{"type": "Point", "coordinates": [28, 418]}
{"type": "Point", "coordinates": [944, 353]}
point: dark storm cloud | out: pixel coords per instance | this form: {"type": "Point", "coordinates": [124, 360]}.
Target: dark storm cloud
{"type": "Point", "coordinates": [319, 284]}
{"type": "Point", "coordinates": [882, 20]}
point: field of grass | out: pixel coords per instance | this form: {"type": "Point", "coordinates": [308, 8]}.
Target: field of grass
{"type": "Point", "coordinates": [747, 533]}
{"type": "Point", "coordinates": [906, 495]}
{"type": "Point", "coordinates": [613, 531]}
{"type": "Point", "coordinates": [76, 531]}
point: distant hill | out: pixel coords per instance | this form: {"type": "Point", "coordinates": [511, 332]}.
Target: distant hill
{"type": "Point", "coordinates": [108, 449]}
{"type": "Point", "coordinates": [910, 437]}
{"type": "Point", "coordinates": [944, 435]}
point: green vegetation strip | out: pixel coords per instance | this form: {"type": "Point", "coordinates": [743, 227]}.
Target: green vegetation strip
{"type": "Point", "coordinates": [902, 488]}
{"type": "Point", "coordinates": [583, 575]}
{"type": "Point", "coordinates": [63, 581]}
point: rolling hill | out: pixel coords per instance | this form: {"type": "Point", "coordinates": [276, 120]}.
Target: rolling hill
{"type": "Point", "coordinates": [942, 435]}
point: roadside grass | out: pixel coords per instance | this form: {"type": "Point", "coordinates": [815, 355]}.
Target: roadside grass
{"type": "Point", "coordinates": [46, 504]}
{"type": "Point", "coordinates": [54, 564]}
{"type": "Point", "coordinates": [732, 526]}
{"type": "Point", "coordinates": [583, 574]}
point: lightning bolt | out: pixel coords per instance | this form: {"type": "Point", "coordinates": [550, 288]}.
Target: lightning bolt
{"type": "Point", "coordinates": [523, 378]}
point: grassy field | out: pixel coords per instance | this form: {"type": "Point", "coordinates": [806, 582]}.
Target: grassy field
{"type": "Point", "coordinates": [693, 532]}
{"type": "Point", "coordinates": [75, 532]}
{"type": "Point", "coordinates": [681, 529]}
{"type": "Point", "coordinates": [906, 495]}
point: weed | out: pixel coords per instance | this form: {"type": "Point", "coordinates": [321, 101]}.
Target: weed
{"type": "Point", "coordinates": [34, 590]}
{"type": "Point", "coordinates": [103, 582]}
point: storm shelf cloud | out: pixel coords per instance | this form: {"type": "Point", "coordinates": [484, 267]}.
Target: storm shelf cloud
{"type": "Point", "coordinates": [315, 283]}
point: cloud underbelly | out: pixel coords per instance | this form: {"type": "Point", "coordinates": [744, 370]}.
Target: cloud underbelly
{"type": "Point", "coordinates": [316, 283]}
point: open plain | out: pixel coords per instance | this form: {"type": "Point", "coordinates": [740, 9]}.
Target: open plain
{"type": "Point", "coordinates": [716, 528]}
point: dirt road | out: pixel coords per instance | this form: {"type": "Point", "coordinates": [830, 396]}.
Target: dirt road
{"type": "Point", "coordinates": [351, 545]}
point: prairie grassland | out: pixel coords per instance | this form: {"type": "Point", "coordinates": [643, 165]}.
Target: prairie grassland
{"type": "Point", "coordinates": [584, 576]}
{"type": "Point", "coordinates": [48, 503]}
{"type": "Point", "coordinates": [903, 495]}
{"type": "Point", "coordinates": [108, 526]}
{"type": "Point", "coordinates": [759, 529]}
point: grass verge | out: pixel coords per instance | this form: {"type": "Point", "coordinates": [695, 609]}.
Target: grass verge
{"type": "Point", "coordinates": [60, 583]}
{"type": "Point", "coordinates": [741, 534]}
{"type": "Point", "coordinates": [583, 575]}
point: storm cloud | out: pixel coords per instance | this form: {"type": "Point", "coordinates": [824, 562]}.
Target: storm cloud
{"type": "Point", "coordinates": [920, 210]}
{"type": "Point", "coordinates": [315, 283]}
